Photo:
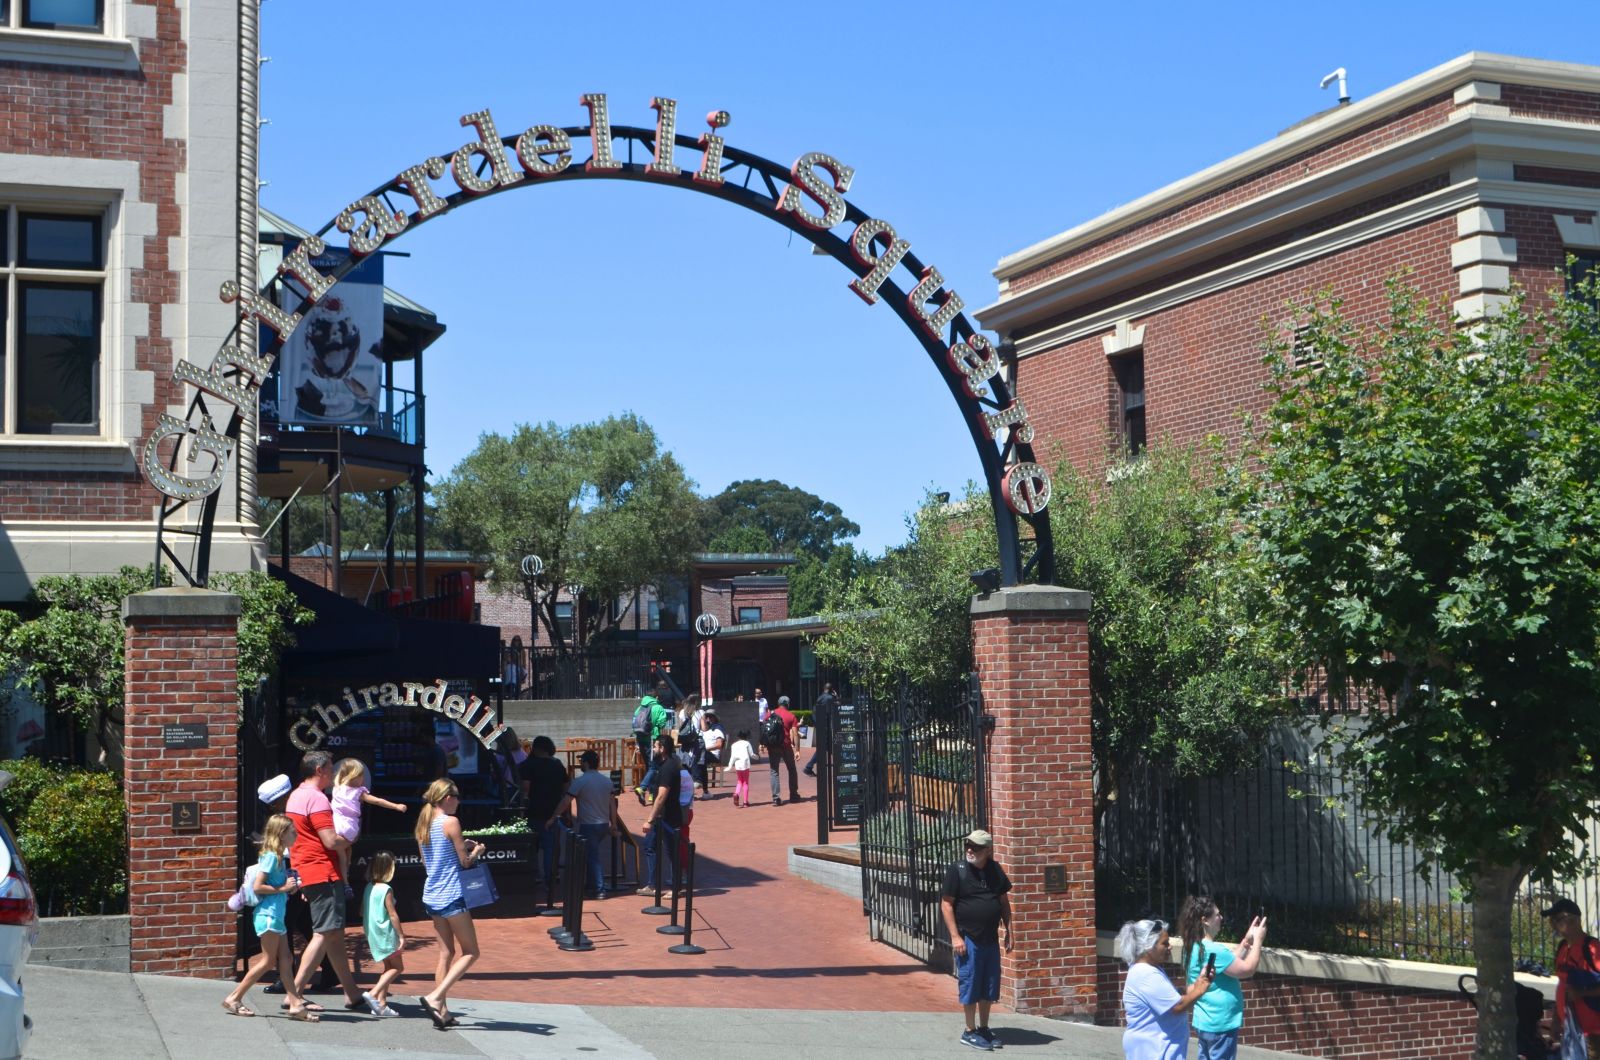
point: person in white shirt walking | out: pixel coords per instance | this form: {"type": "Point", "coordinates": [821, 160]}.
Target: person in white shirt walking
{"type": "Point", "coordinates": [740, 757]}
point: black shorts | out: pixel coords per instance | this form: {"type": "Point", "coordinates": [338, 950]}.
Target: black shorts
{"type": "Point", "coordinates": [327, 906]}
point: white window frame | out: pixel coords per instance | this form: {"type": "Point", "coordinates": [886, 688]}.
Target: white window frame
{"type": "Point", "coordinates": [13, 274]}
{"type": "Point", "coordinates": [108, 47]}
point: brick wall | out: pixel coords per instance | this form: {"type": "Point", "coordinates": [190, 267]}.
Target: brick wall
{"type": "Point", "coordinates": [1202, 359]}
{"type": "Point", "coordinates": [1033, 664]}
{"type": "Point", "coordinates": [1319, 1017]}
{"type": "Point", "coordinates": [115, 115]}
{"type": "Point", "coordinates": [772, 599]}
{"type": "Point", "coordinates": [182, 667]}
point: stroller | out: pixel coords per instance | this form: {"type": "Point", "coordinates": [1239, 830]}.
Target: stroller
{"type": "Point", "coordinates": [1530, 1010]}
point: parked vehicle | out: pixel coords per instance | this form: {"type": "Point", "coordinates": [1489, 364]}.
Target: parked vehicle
{"type": "Point", "coordinates": [19, 930]}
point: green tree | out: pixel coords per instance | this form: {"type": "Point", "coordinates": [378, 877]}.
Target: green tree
{"type": "Point", "coordinates": [816, 583]}
{"type": "Point", "coordinates": [1178, 671]}
{"type": "Point", "coordinates": [1421, 519]}
{"type": "Point", "coordinates": [66, 644]}
{"type": "Point", "coordinates": [362, 516]}
{"type": "Point", "coordinates": [599, 503]}
{"type": "Point", "coordinates": [792, 519]}
{"type": "Point", "coordinates": [907, 614]}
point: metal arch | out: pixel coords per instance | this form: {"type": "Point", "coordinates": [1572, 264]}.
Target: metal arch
{"type": "Point", "coordinates": [756, 184]}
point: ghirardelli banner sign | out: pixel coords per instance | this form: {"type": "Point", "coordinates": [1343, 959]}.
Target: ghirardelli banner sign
{"type": "Point", "coordinates": [469, 712]}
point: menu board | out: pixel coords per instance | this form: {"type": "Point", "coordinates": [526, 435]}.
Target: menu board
{"type": "Point", "coordinates": [848, 783]}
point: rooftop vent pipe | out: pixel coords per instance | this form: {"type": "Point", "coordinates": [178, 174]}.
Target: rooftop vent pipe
{"type": "Point", "coordinates": [1338, 75]}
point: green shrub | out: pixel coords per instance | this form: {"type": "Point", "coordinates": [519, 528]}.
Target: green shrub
{"type": "Point", "coordinates": [29, 776]}
{"type": "Point", "coordinates": [75, 841]}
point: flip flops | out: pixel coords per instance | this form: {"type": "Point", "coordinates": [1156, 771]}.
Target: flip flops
{"type": "Point", "coordinates": [304, 1015]}
{"type": "Point", "coordinates": [439, 1021]}
{"type": "Point", "coordinates": [235, 1008]}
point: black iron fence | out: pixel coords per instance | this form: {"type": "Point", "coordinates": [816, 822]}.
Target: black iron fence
{"type": "Point", "coordinates": [593, 672]}
{"type": "Point", "coordinates": [1292, 840]}
{"type": "Point", "coordinates": [924, 781]}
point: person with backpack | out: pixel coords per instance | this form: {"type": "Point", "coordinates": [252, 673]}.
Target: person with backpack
{"type": "Point", "coordinates": [650, 720]}
{"type": "Point", "coordinates": [779, 734]}
{"type": "Point", "coordinates": [1577, 1022]}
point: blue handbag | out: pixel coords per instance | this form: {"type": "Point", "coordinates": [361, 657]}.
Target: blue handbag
{"type": "Point", "coordinates": [477, 887]}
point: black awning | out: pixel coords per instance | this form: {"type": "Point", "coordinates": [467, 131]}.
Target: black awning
{"type": "Point", "coordinates": [342, 627]}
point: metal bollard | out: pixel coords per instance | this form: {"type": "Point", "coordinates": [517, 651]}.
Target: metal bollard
{"type": "Point", "coordinates": [560, 932]}
{"type": "Point", "coordinates": [574, 940]}
{"type": "Point", "coordinates": [687, 945]}
{"type": "Point", "coordinates": [550, 877]}
{"type": "Point", "coordinates": [656, 908]}
{"type": "Point", "coordinates": [675, 928]}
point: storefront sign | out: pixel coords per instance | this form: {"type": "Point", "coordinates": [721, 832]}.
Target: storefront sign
{"type": "Point", "coordinates": [814, 199]}
{"type": "Point", "coordinates": [467, 711]}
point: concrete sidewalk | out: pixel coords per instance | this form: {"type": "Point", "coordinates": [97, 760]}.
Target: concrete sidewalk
{"type": "Point", "coordinates": [145, 1017]}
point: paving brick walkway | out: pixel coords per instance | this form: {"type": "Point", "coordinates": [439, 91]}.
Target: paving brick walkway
{"type": "Point", "coordinates": [772, 940]}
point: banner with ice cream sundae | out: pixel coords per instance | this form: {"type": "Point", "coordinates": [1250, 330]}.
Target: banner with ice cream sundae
{"type": "Point", "coordinates": [330, 371]}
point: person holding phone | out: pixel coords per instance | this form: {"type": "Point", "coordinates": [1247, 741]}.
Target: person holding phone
{"type": "Point", "coordinates": [1219, 1013]}
{"type": "Point", "coordinates": [1157, 1016]}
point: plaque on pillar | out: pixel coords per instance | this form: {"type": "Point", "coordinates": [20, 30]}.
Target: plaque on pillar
{"type": "Point", "coordinates": [186, 817]}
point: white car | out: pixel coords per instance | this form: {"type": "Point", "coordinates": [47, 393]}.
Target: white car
{"type": "Point", "coordinates": [19, 930]}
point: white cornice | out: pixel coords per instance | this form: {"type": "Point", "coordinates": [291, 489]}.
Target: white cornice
{"type": "Point", "coordinates": [1473, 136]}
{"type": "Point", "coordinates": [1474, 66]}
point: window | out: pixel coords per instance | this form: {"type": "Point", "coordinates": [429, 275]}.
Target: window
{"type": "Point", "coordinates": [749, 614]}
{"type": "Point", "coordinates": [78, 16]}
{"type": "Point", "coordinates": [1585, 266]}
{"type": "Point", "coordinates": [564, 620]}
{"type": "Point", "coordinates": [1128, 369]}
{"type": "Point", "coordinates": [52, 279]}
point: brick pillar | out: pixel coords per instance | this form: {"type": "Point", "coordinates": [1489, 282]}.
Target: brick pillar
{"type": "Point", "coordinates": [1031, 647]}
{"type": "Point", "coordinates": [181, 669]}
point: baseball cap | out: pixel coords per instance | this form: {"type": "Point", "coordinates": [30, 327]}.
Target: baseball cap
{"type": "Point", "coordinates": [783, 700]}
{"type": "Point", "coordinates": [1562, 905]}
{"type": "Point", "coordinates": [980, 838]}
{"type": "Point", "coordinates": [272, 790]}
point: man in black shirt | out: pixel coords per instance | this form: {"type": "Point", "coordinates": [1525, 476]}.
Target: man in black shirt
{"type": "Point", "coordinates": [666, 810]}
{"type": "Point", "coordinates": [822, 723]}
{"type": "Point", "coordinates": [544, 791]}
{"type": "Point", "coordinates": [975, 905]}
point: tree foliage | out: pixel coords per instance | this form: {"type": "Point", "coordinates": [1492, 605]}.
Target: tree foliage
{"type": "Point", "coordinates": [362, 522]}
{"type": "Point", "coordinates": [599, 503]}
{"type": "Point", "coordinates": [814, 584]}
{"type": "Point", "coordinates": [907, 613]}
{"type": "Point", "coordinates": [1421, 520]}
{"type": "Point", "coordinates": [66, 645]}
{"type": "Point", "coordinates": [792, 519]}
{"type": "Point", "coordinates": [1178, 671]}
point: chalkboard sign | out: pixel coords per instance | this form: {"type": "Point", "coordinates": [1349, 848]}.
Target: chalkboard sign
{"type": "Point", "coordinates": [848, 782]}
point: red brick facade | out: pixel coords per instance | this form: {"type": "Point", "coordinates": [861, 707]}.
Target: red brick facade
{"type": "Point", "coordinates": [182, 665]}
{"type": "Point", "coordinates": [1031, 651]}
{"type": "Point", "coordinates": [83, 112]}
{"type": "Point", "coordinates": [1319, 1017]}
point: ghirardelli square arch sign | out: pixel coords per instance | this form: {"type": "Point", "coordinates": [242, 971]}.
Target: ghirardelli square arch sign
{"type": "Point", "coordinates": [187, 459]}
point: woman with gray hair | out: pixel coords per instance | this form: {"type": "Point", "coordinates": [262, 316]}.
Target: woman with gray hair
{"type": "Point", "coordinates": [1156, 1014]}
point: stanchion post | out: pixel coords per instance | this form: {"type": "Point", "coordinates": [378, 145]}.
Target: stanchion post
{"type": "Point", "coordinates": [561, 933]}
{"type": "Point", "coordinates": [660, 829]}
{"type": "Point", "coordinates": [675, 928]}
{"type": "Point", "coordinates": [577, 872]}
{"type": "Point", "coordinates": [550, 876]}
{"type": "Point", "coordinates": [687, 945]}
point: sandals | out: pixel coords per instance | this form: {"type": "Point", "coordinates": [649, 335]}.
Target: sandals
{"type": "Point", "coordinates": [304, 1015]}
{"type": "Point", "coordinates": [311, 1006]}
{"type": "Point", "coordinates": [433, 1014]}
{"type": "Point", "coordinates": [235, 1008]}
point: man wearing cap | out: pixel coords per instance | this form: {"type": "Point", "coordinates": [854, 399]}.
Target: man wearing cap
{"type": "Point", "coordinates": [314, 856]}
{"type": "Point", "coordinates": [976, 904]}
{"type": "Point", "coordinates": [1577, 1024]}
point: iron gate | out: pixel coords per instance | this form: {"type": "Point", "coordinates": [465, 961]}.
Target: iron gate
{"type": "Point", "coordinates": [925, 789]}
{"type": "Point", "coordinates": [260, 757]}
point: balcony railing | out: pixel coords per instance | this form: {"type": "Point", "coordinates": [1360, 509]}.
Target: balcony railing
{"type": "Point", "coordinates": [399, 417]}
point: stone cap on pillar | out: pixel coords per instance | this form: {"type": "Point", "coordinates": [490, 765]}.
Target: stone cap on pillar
{"type": "Point", "coordinates": [1031, 600]}
{"type": "Point", "coordinates": [181, 601]}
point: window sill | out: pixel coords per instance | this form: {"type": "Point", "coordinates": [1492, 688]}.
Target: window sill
{"type": "Point", "coordinates": [63, 48]}
{"type": "Point", "coordinates": [62, 454]}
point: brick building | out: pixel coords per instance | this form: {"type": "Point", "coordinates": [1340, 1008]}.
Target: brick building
{"type": "Point", "coordinates": [1147, 322]}
{"type": "Point", "coordinates": [127, 175]}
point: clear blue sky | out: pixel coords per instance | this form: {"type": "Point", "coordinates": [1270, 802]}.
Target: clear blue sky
{"type": "Point", "coordinates": [976, 129]}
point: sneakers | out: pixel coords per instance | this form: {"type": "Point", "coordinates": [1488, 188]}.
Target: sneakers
{"type": "Point", "coordinates": [640, 793]}
{"type": "Point", "coordinates": [374, 1006]}
{"type": "Point", "coordinates": [994, 1039]}
{"type": "Point", "coordinates": [976, 1040]}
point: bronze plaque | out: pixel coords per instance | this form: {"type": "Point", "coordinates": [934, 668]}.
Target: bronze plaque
{"type": "Point", "coordinates": [186, 817]}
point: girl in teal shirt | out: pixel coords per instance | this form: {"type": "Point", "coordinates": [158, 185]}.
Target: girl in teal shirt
{"type": "Point", "coordinates": [1219, 1013]}
{"type": "Point", "coordinates": [385, 937]}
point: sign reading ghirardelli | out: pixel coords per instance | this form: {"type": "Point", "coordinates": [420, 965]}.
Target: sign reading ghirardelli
{"type": "Point", "coordinates": [467, 711]}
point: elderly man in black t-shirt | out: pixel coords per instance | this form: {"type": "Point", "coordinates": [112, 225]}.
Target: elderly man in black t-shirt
{"type": "Point", "coordinates": [976, 904]}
